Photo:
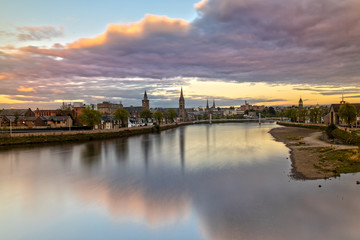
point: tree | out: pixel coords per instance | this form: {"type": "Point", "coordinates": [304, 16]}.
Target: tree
{"type": "Point", "coordinates": [171, 114]}
{"type": "Point", "coordinates": [90, 117]}
{"type": "Point", "coordinates": [347, 112]}
{"type": "Point", "coordinates": [272, 111]}
{"type": "Point", "coordinates": [158, 117]}
{"type": "Point", "coordinates": [315, 115]}
{"type": "Point", "coordinates": [16, 119]}
{"type": "Point", "coordinates": [303, 113]}
{"type": "Point", "coordinates": [146, 114]}
{"type": "Point", "coordinates": [292, 113]}
{"type": "Point", "coordinates": [121, 115]}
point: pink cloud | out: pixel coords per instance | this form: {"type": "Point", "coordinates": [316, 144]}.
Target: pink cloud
{"type": "Point", "coordinates": [23, 89]}
{"type": "Point", "coordinates": [314, 42]}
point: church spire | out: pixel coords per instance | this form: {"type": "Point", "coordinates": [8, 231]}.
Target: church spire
{"type": "Point", "coordinates": [182, 111]}
{"type": "Point", "coordinates": [342, 99]}
{"type": "Point", "coordinates": [145, 96]}
{"type": "Point", "coordinates": [146, 102]}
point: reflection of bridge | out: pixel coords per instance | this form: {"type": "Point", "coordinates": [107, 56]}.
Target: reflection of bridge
{"type": "Point", "coordinates": [238, 120]}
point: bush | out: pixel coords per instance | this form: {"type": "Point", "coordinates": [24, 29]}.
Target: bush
{"type": "Point", "coordinates": [349, 138]}
{"type": "Point", "coordinates": [329, 130]}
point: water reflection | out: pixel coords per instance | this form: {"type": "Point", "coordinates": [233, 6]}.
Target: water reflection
{"type": "Point", "coordinates": [91, 154]}
{"type": "Point", "coordinates": [122, 149]}
{"type": "Point", "coordinates": [145, 144]}
{"type": "Point", "coordinates": [182, 149]}
{"type": "Point", "coordinates": [236, 186]}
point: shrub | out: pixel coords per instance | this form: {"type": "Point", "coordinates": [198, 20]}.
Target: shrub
{"type": "Point", "coordinates": [329, 130]}
{"type": "Point", "coordinates": [349, 138]}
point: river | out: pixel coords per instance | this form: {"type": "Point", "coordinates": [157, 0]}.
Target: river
{"type": "Point", "coordinates": [219, 181]}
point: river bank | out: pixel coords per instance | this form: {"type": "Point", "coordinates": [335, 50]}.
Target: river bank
{"type": "Point", "coordinates": [75, 136]}
{"type": "Point", "coordinates": [313, 157]}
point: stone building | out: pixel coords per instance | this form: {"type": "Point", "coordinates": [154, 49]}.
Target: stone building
{"type": "Point", "coordinates": [107, 108]}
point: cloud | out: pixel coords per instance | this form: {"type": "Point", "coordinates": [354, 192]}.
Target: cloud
{"type": "Point", "coordinates": [276, 42]}
{"type": "Point", "coordinates": [33, 33]}
{"type": "Point", "coordinates": [23, 89]}
{"type": "Point", "coordinates": [149, 26]}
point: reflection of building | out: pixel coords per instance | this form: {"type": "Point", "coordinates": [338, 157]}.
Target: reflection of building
{"type": "Point", "coordinates": [182, 111]}
{"type": "Point", "coordinates": [145, 102]}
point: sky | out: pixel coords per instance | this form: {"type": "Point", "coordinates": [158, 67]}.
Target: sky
{"type": "Point", "coordinates": [268, 52]}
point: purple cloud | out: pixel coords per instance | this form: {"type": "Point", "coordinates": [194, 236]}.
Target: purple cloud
{"type": "Point", "coordinates": [292, 42]}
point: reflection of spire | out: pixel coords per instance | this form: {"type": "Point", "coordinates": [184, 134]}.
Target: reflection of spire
{"type": "Point", "coordinates": [207, 138]}
{"type": "Point", "coordinates": [145, 145]}
{"type": "Point", "coordinates": [182, 149]}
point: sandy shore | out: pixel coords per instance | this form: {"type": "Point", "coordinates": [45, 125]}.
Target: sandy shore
{"type": "Point", "coordinates": [305, 145]}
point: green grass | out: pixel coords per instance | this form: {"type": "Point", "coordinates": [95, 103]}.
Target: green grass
{"type": "Point", "coordinates": [338, 161]}
{"type": "Point", "coordinates": [303, 125]}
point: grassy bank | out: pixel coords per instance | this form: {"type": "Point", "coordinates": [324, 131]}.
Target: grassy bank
{"type": "Point", "coordinates": [346, 137]}
{"type": "Point", "coordinates": [312, 159]}
{"type": "Point", "coordinates": [303, 125]}
{"type": "Point", "coordinates": [85, 136]}
{"type": "Point", "coordinates": [337, 161]}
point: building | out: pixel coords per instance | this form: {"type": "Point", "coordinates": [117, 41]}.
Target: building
{"type": "Point", "coordinates": [57, 121]}
{"type": "Point", "coordinates": [58, 112]}
{"type": "Point", "coordinates": [107, 108]}
{"type": "Point", "coordinates": [15, 117]}
{"type": "Point", "coordinates": [333, 117]}
{"type": "Point", "coordinates": [20, 113]}
{"type": "Point", "coordinates": [248, 107]}
{"type": "Point", "coordinates": [208, 111]}
{"type": "Point", "coordinates": [182, 111]}
{"type": "Point", "coordinates": [301, 104]}
{"type": "Point", "coordinates": [146, 102]}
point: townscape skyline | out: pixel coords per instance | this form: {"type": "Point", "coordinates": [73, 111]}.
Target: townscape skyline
{"type": "Point", "coordinates": [266, 52]}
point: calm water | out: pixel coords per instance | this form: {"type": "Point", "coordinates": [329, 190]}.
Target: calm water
{"type": "Point", "coordinates": [224, 181]}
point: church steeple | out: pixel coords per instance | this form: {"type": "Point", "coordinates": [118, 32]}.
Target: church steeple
{"type": "Point", "coordinates": [146, 102]}
{"type": "Point", "coordinates": [145, 96]}
{"type": "Point", "coordinates": [342, 99]}
{"type": "Point", "coordinates": [182, 111]}
{"type": "Point", "coordinates": [301, 103]}
{"type": "Point", "coordinates": [213, 106]}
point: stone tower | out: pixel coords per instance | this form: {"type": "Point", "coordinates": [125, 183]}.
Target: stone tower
{"type": "Point", "coordinates": [213, 106]}
{"type": "Point", "coordinates": [182, 112]}
{"type": "Point", "coordinates": [301, 104]}
{"type": "Point", "coordinates": [145, 102]}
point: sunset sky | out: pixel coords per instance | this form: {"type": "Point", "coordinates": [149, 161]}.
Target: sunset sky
{"type": "Point", "coordinates": [269, 52]}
